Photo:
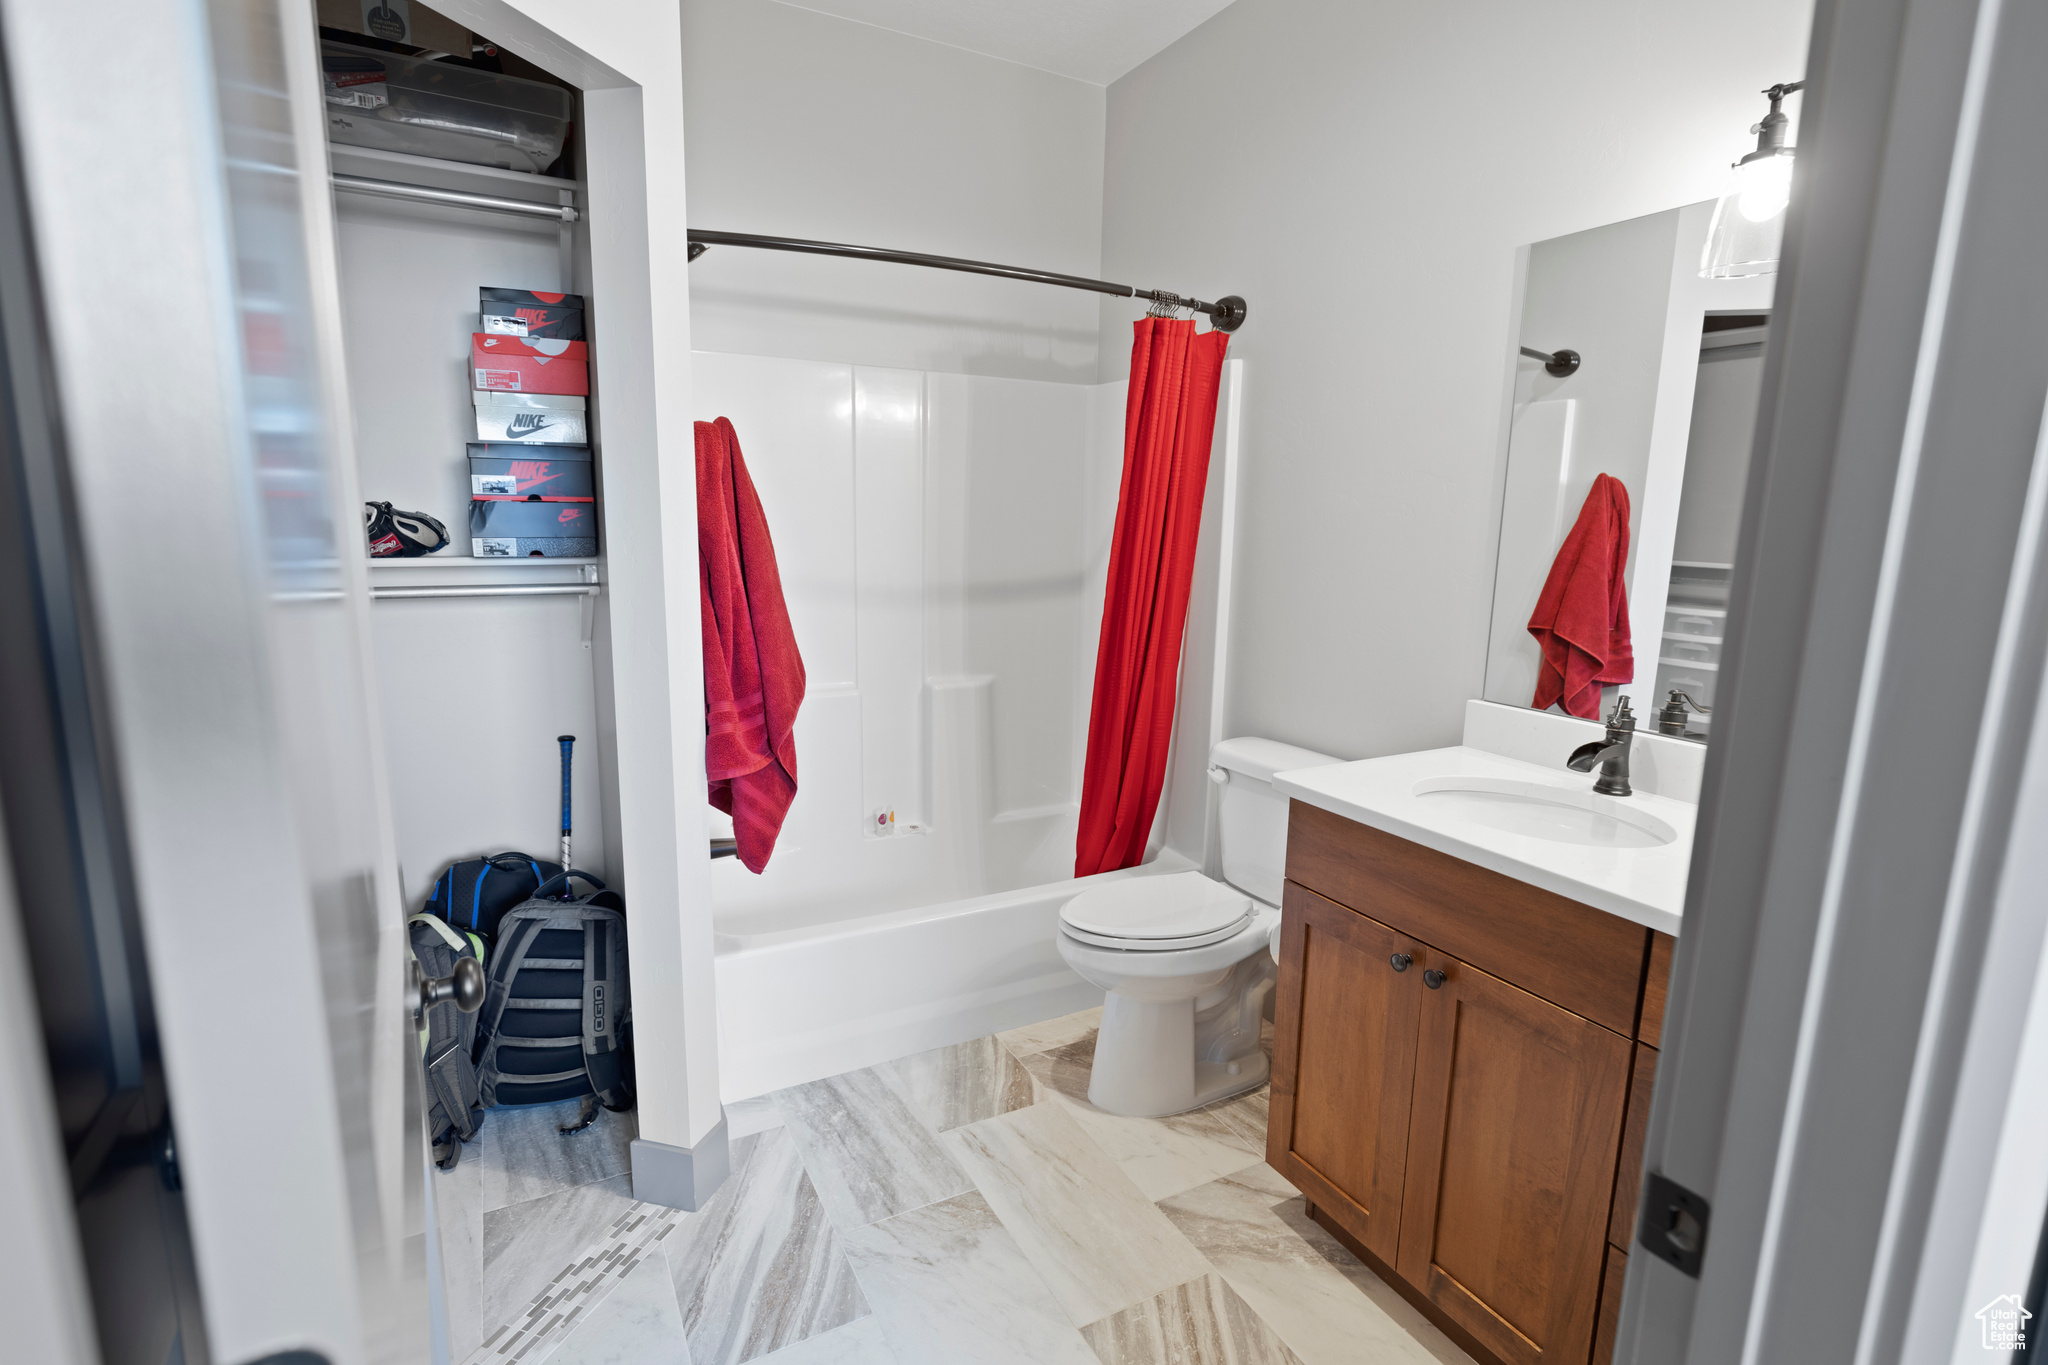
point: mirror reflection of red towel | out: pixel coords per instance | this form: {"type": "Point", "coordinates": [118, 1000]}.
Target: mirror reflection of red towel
{"type": "Point", "coordinates": [1581, 620]}
{"type": "Point", "coordinates": [753, 675]}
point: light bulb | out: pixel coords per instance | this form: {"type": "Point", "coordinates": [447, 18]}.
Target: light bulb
{"type": "Point", "coordinates": [1764, 187]}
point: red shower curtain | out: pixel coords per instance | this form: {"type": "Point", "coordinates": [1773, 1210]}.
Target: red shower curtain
{"type": "Point", "coordinates": [1168, 421]}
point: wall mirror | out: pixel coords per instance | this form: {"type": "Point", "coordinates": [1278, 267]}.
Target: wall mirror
{"type": "Point", "coordinates": [1663, 399]}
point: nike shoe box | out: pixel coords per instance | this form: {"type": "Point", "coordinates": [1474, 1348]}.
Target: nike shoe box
{"type": "Point", "coordinates": [526, 313]}
{"type": "Point", "coordinates": [528, 364]}
{"type": "Point", "coordinates": [509, 472]}
{"type": "Point", "coordinates": [523, 530]}
{"type": "Point", "coordinates": [531, 418]}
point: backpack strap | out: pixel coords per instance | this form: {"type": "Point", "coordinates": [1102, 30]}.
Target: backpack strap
{"type": "Point", "coordinates": [605, 1007]}
{"type": "Point", "coordinates": [446, 1071]}
{"type": "Point", "coordinates": [560, 882]}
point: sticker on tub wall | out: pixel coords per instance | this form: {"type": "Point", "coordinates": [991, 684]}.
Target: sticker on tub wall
{"type": "Point", "coordinates": [493, 547]}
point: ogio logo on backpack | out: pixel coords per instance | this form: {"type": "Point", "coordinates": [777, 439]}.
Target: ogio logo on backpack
{"type": "Point", "coordinates": [600, 1016]}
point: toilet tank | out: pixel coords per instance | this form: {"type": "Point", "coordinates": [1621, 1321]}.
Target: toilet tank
{"type": "Point", "coordinates": [1252, 817]}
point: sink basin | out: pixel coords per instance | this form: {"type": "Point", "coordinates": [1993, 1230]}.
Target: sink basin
{"type": "Point", "coordinates": [1538, 810]}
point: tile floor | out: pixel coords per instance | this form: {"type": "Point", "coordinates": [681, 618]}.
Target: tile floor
{"type": "Point", "coordinates": [966, 1206]}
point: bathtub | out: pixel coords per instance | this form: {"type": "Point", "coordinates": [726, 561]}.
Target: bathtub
{"type": "Point", "coordinates": [805, 1001]}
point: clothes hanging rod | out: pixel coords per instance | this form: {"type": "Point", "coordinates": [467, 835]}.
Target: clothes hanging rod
{"type": "Point", "coordinates": [387, 594]}
{"type": "Point", "coordinates": [423, 194]}
{"type": "Point", "coordinates": [1227, 313]}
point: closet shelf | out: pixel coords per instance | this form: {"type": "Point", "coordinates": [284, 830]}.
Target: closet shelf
{"type": "Point", "coordinates": [433, 173]}
{"type": "Point", "coordinates": [483, 562]}
{"type": "Point", "coordinates": [1700, 664]}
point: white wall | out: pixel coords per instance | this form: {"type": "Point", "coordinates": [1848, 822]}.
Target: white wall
{"type": "Point", "coordinates": [804, 125]}
{"type": "Point", "coordinates": [1363, 171]}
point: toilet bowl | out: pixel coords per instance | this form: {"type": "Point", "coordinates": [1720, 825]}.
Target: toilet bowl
{"type": "Point", "coordinates": [1183, 959]}
{"type": "Point", "coordinates": [1184, 964]}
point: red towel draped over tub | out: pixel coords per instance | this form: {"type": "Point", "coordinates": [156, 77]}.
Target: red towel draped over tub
{"type": "Point", "coordinates": [1581, 620]}
{"type": "Point", "coordinates": [1169, 419]}
{"type": "Point", "coordinates": [753, 675]}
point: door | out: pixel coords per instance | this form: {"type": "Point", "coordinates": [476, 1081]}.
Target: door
{"type": "Point", "coordinates": [1343, 1063]}
{"type": "Point", "coordinates": [220, 756]}
{"type": "Point", "coordinates": [1516, 1127]}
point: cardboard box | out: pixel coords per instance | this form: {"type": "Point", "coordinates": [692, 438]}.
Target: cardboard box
{"type": "Point", "coordinates": [518, 473]}
{"type": "Point", "coordinates": [531, 426]}
{"type": "Point", "coordinates": [531, 418]}
{"type": "Point", "coordinates": [528, 364]}
{"type": "Point", "coordinates": [527, 313]}
{"type": "Point", "coordinates": [524, 530]}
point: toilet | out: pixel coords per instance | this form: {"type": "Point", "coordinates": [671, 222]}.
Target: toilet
{"type": "Point", "coordinates": [1187, 961]}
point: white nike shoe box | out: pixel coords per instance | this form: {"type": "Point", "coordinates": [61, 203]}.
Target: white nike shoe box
{"type": "Point", "coordinates": [531, 418]}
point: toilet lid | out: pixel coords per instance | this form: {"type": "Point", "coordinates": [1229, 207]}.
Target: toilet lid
{"type": "Point", "coordinates": [1158, 910]}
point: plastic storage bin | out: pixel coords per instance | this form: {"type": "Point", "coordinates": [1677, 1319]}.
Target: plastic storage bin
{"type": "Point", "coordinates": [398, 104]}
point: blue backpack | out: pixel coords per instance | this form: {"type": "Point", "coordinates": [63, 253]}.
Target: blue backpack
{"type": "Point", "coordinates": [475, 894]}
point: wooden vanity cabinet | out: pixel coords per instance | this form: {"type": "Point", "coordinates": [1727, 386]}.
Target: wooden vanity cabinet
{"type": "Point", "coordinates": [1461, 1126]}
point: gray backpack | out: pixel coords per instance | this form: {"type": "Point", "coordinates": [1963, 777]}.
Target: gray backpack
{"type": "Point", "coordinates": [557, 1017]}
{"type": "Point", "coordinates": [455, 1105]}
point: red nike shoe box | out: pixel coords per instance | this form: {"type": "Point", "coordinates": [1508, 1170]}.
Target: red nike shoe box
{"type": "Point", "coordinates": [529, 364]}
{"type": "Point", "coordinates": [526, 530]}
{"type": "Point", "coordinates": [502, 471]}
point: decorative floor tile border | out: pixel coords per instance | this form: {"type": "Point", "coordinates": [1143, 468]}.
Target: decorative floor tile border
{"type": "Point", "coordinates": [581, 1286]}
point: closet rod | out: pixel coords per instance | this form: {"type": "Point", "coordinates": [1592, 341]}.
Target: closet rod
{"type": "Point", "coordinates": [385, 594]}
{"type": "Point", "coordinates": [1227, 313]}
{"type": "Point", "coordinates": [524, 590]}
{"type": "Point", "coordinates": [395, 189]}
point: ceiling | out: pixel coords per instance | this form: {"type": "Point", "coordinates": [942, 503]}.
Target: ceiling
{"type": "Point", "coordinates": [1090, 40]}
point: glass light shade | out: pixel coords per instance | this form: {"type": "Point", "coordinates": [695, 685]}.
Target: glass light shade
{"type": "Point", "coordinates": [1749, 222]}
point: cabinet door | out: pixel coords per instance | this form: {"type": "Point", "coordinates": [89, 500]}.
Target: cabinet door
{"type": "Point", "coordinates": [1344, 1064]}
{"type": "Point", "coordinates": [1517, 1122]}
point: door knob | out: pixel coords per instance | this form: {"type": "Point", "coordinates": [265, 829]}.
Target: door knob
{"type": "Point", "coordinates": [1432, 978]}
{"type": "Point", "coordinates": [464, 985]}
{"type": "Point", "coordinates": [1400, 961]}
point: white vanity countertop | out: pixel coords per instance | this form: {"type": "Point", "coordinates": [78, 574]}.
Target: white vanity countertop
{"type": "Point", "coordinates": [1646, 885]}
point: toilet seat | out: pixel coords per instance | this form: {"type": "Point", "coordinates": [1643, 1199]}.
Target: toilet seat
{"type": "Point", "coordinates": [1157, 914]}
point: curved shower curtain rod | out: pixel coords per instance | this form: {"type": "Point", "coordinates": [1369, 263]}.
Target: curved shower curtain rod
{"type": "Point", "coordinates": [1226, 314]}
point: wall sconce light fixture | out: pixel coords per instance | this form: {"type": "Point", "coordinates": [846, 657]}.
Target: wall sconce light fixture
{"type": "Point", "coordinates": [1749, 222]}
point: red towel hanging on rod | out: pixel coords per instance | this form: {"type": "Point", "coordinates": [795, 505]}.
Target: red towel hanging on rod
{"type": "Point", "coordinates": [1581, 620]}
{"type": "Point", "coordinates": [753, 675]}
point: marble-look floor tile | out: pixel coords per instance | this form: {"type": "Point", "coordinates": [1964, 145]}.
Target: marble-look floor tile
{"type": "Point", "coordinates": [1198, 1323]}
{"type": "Point", "coordinates": [1161, 1156]}
{"type": "Point", "coordinates": [638, 1323]}
{"type": "Point", "coordinates": [521, 1154]}
{"type": "Point", "coordinates": [1264, 1180]}
{"type": "Point", "coordinates": [860, 1342]}
{"type": "Point", "coordinates": [526, 1245]}
{"type": "Point", "coordinates": [756, 1115]}
{"type": "Point", "coordinates": [1324, 1304]}
{"type": "Point", "coordinates": [459, 1223]}
{"type": "Point", "coordinates": [964, 1083]}
{"type": "Point", "coordinates": [1052, 1033]}
{"type": "Point", "coordinates": [866, 1152]}
{"type": "Point", "coordinates": [1096, 1241]}
{"type": "Point", "coordinates": [951, 1287]}
{"type": "Point", "coordinates": [760, 1267]}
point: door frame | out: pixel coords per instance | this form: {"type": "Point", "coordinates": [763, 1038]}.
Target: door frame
{"type": "Point", "coordinates": [1862, 942]}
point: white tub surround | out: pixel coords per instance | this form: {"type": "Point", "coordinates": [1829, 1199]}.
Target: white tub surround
{"type": "Point", "coordinates": [1405, 794]}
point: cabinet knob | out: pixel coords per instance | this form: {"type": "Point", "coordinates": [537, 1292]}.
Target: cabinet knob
{"type": "Point", "coordinates": [1400, 961]}
{"type": "Point", "coordinates": [1432, 978]}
